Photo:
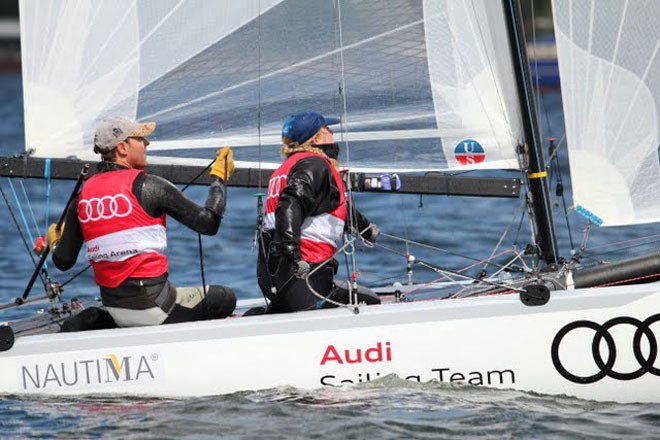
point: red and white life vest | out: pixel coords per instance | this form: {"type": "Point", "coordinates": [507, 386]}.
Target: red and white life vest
{"type": "Point", "coordinates": [121, 239]}
{"type": "Point", "coordinates": [318, 233]}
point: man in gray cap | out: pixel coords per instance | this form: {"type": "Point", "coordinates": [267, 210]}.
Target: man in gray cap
{"type": "Point", "coordinates": [120, 216]}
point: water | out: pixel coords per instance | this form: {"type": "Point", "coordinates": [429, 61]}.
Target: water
{"type": "Point", "coordinates": [386, 408]}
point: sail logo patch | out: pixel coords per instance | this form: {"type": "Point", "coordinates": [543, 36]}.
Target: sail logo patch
{"type": "Point", "coordinates": [469, 152]}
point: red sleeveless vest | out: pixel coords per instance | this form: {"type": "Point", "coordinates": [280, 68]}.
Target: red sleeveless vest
{"type": "Point", "coordinates": [318, 234]}
{"type": "Point", "coordinates": [122, 240]}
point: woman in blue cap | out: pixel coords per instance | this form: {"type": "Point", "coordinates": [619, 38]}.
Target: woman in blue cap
{"type": "Point", "coordinates": [306, 212]}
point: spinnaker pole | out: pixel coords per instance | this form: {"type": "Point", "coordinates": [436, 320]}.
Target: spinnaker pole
{"type": "Point", "coordinates": [539, 184]}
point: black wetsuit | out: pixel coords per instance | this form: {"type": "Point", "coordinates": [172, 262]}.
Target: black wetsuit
{"type": "Point", "coordinates": [156, 196]}
{"type": "Point", "coordinates": [311, 190]}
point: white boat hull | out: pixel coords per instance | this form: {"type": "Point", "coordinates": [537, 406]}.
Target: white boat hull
{"type": "Point", "coordinates": [491, 341]}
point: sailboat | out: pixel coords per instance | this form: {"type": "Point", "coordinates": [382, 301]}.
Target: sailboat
{"type": "Point", "coordinates": [448, 79]}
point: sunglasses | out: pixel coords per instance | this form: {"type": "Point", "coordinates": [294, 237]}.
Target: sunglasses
{"type": "Point", "coordinates": [141, 139]}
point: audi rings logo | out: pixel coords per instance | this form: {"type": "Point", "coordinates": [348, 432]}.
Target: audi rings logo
{"type": "Point", "coordinates": [276, 185]}
{"type": "Point", "coordinates": [104, 208]}
{"type": "Point", "coordinates": [643, 330]}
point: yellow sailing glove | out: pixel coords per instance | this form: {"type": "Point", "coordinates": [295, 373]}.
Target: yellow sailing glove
{"type": "Point", "coordinates": [54, 235]}
{"type": "Point", "coordinates": [223, 167]}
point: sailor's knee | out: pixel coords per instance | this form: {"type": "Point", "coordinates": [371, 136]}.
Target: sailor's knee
{"type": "Point", "coordinates": [221, 301]}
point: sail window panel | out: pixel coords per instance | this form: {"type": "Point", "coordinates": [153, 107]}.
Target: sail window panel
{"type": "Point", "coordinates": [60, 73]}
{"type": "Point", "coordinates": [174, 31]}
{"type": "Point", "coordinates": [605, 26]}
{"type": "Point", "coordinates": [611, 96]}
{"type": "Point", "coordinates": [268, 54]}
{"type": "Point", "coordinates": [365, 19]}
{"type": "Point", "coordinates": [640, 30]}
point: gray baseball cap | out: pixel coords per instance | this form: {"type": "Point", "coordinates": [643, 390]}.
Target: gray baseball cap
{"type": "Point", "coordinates": [116, 129]}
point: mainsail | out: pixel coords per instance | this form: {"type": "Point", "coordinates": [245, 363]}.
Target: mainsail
{"type": "Point", "coordinates": [419, 84]}
{"type": "Point", "coordinates": [610, 82]}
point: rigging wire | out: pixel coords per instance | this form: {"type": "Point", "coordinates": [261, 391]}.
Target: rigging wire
{"type": "Point", "coordinates": [553, 149]}
{"type": "Point", "coordinates": [519, 212]}
{"type": "Point", "coordinates": [258, 242]}
{"type": "Point", "coordinates": [199, 236]}
{"type": "Point", "coordinates": [22, 214]}
{"type": "Point", "coordinates": [542, 108]}
{"type": "Point", "coordinates": [646, 242]}
{"type": "Point", "coordinates": [516, 239]}
{"type": "Point", "coordinates": [48, 188]}
{"type": "Point", "coordinates": [259, 108]}
{"type": "Point", "coordinates": [349, 242]}
{"type": "Point", "coordinates": [80, 272]}
{"type": "Point", "coordinates": [20, 232]}
{"type": "Point", "coordinates": [434, 248]}
{"type": "Point", "coordinates": [559, 192]}
{"type": "Point", "coordinates": [490, 64]}
{"type": "Point", "coordinates": [541, 196]}
{"type": "Point", "coordinates": [447, 272]}
{"type": "Point", "coordinates": [29, 205]}
{"type": "Point", "coordinates": [523, 160]}
{"type": "Point", "coordinates": [353, 270]}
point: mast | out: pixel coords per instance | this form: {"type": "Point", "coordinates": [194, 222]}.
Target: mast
{"type": "Point", "coordinates": [539, 185]}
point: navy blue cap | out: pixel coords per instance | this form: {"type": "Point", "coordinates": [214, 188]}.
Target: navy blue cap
{"type": "Point", "coordinates": [302, 126]}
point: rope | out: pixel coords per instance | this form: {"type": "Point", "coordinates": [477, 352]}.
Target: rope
{"type": "Point", "coordinates": [355, 307]}
{"type": "Point", "coordinates": [48, 187]}
{"type": "Point", "coordinates": [20, 211]}
{"type": "Point", "coordinates": [435, 248]}
{"type": "Point", "coordinates": [75, 276]}
{"type": "Point", "coordinates": [20, 233]}
{"type": "Point", "coordinates": [520, 210]}
{"type": "Point", "coordinates": [437, 269]}
{"type": "Point", "coordinates": [29, 205]}
{"type": "Point", "coordinates": [199, 236]}
{"type": "Point", "coordinates": [344, 138]}
{"type": "Point", "coordinates": [444, 271]}
{"type": "Point", "coordinates": [628, 280]}
{"type": "Point", "coordinates": [205, 306]}
{"type": "Point", "coordinates": [554, 160]}
{"type": "Point", "coordinates": [259, 109]}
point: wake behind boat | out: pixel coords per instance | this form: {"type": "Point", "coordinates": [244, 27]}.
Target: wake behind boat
{"type": "Point", "coordinates": [556, 326]}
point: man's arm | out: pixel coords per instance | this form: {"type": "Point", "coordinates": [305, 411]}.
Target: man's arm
{"type": "Point", "coordinates": [157, 195]}
{"type": "Point", "coordinates": [66, 252]}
